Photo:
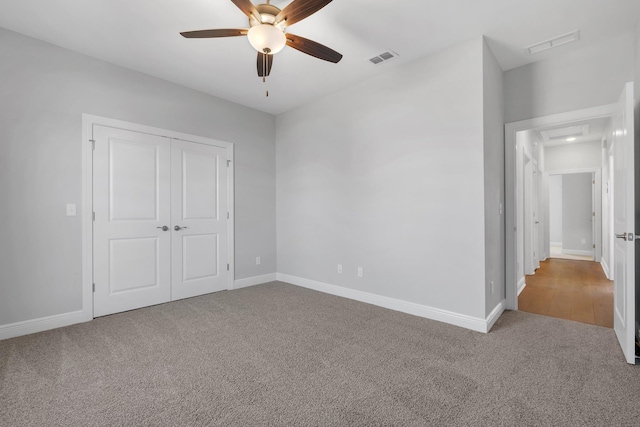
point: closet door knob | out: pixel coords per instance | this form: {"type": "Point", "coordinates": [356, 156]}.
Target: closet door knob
{"type": "Point", "coordinates": [163, 228]}
{"type": "Point", "coordinates": [178, 228]}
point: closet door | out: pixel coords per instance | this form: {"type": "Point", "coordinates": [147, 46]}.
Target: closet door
{"type": "Point", "coordinates": [131, 197]}
{"type": "Point", "coordinates": [198, 219]}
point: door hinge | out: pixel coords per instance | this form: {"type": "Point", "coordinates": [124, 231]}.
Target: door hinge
{"type": "Point", "coordinates": [227, 215]}
{"type": "Point", "coordinates": [94, 287]}
{"type": "Point", "coordinates": [593, 214]}
{"type": "Point", "coordinates": [94, 215]}
{"type": "Point", "coordinates": [93, 144]}
{"type": "Point", "coordinates": [594, 246]}
{"type": "Point", "coordinates": [228, 163]}
{"type": "Point", "coordinates": [227, 267]}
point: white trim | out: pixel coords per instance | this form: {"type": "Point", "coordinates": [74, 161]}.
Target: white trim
{"type": "Point", "coordinates": [605, 268]}
{"type": "Point", "coordinates": [42, 324]}
{"type": "Point", "coordinates": [521, 285]}
{"type": "Point", "coordinates": [511, 129]}
{"type": "Point", "coordinates": [86, 214]}
{"type": "Point", "coordinates": [495, 314]}
{"type": "Point", "coordinates": [556, 244]}
{"type": "Point", "coordinates": [256, 280]}
{"type": "Point", "coordinates": [572, 171]}
{"type": "Point", "coordinates": [577, 252]}
{"type": "Point", "coordinates": [88, 121]}
{"type": "Point", "coordinates": [462, 320]}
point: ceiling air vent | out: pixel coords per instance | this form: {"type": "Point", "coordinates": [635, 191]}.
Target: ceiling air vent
{"type": "Point", "coordinates": [383, 57]}
{"type": "Point", "coordinates": [565, 133]}
{"type": "Point", "coordinates": [554, 42]}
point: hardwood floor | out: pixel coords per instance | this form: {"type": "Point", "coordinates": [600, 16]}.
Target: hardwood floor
{"type": "Point", "coordinates": [572, 290]}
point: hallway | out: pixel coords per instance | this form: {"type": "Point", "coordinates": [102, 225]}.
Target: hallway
{"type": "Point", "coordinates": [571, 290]}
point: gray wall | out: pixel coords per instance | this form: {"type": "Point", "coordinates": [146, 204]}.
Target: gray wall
{"type": "Point", "coordinates": [588, 77]}
{"type": "Point", "coordinates": [493, 110]}
{"type": "Point", "coordinates": [555, 208]}
{"type": "Point", "coordinates": [577, 205]}
{"type": "Point", "coordinates": [389, 175]}
{"type": "Point", "coordinates": [44, 91]}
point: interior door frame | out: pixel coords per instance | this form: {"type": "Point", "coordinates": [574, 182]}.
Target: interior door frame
{"type": "Point", "coordinates": [88, 121]}
{"type": "Point", "coordinates": [511, 130]}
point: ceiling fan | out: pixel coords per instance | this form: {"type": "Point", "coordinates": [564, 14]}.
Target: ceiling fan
{"type": "Point", "coordinates": [266, 32]}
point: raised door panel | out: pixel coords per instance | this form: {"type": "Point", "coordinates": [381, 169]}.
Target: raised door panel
{"type": "Point", "coordinates": [199, 185]}
{"type": "Point", "coordinates": [131, 204]}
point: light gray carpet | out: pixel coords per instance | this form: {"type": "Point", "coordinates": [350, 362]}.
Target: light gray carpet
{"type": "Point", "coordinates": [277, 354]}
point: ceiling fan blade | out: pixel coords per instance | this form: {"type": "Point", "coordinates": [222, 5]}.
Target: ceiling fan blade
{"type": "Point", "coordinates": [262, 70]}
{"type": "Point", "coordinates": [206, 34]}
{"type": "Point", "coordinates": [297, 10]}
{"type": "Point", "coordinates": [248, 8]}
{"type": "Point", "coordinates": [313, 48]}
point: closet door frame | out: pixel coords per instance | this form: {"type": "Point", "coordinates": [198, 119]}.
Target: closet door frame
{"type": "Point", "coordinates": [88, 122]}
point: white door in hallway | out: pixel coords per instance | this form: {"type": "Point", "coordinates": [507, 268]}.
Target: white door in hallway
{"type": "Point", "coordinates": [160, 229]}
{"type": "Point", "coordinates": [624, 224]}
{"type": "Point", "coordinates": [199, 219]}
{"type": "Point", "coordinates": [131, 188]}
{"type": "Point", "coordinates": [535, 204]}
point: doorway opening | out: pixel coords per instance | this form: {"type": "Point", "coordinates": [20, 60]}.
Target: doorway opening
{"type": "Point", "coordinates": [615, 194]}
{"type": "Point", "coordinates": [559, 196]}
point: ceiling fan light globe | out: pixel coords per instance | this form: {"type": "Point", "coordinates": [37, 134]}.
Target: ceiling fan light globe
{"type": "Point", "coordinates": [266, 36]}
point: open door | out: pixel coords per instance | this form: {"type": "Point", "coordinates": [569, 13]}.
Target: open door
{"type": "Point", "coordinates": [624, 224]}
{"type": "Point", "coordinates": [535, 205]}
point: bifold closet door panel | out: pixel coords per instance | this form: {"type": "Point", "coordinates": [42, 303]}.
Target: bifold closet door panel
{"type": "Point", "coordinates": [131, 234]}
{"type": "Point", "coordinates": [198, 219]}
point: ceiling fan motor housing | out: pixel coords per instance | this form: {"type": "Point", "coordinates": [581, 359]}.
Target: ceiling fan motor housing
{"type": "Point", "coordinates": [268, 15]}
{"type": "Point", "coordinates": [265, 37]}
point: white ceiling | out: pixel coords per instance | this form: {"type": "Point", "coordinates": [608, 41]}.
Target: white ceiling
{"type": "Point", "coordinates": [143, 35]}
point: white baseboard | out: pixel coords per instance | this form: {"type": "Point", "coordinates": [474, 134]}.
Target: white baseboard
{"type": "Point", "coordinates": [521, 285]}
{"type": "Point", "coordinates": [253, 281]}
{"type": "Point", "coordinates": [462, 320]}
{"type": "Point", "coordinates": [42, 324]}
{"type": "Point", "coordinates": [469, 322]}
{"type": "Point", "coordinates": [555, 244]}
{"type": "Point", "coordinates": [577, 252]}
{"type": "Point", "coordinates": [605, 268]}
{"type": "Point", "coordinates": [495, 314]}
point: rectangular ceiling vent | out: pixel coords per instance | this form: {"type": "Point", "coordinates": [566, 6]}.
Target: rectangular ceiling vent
{"type": "Point", "coordinates": [383, 57]}
{"type": "Point", "coordinates": [554, 42]}
{"type": "Point", "coordinates": [568, 133]}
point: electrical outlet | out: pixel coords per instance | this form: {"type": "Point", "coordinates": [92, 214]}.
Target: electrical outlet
{"type": "Point", "coordinates": [493, 287]}
{"type": "Point", "coordinates": [339, 268]}
{"type": "Point", "coordinates": [258, 260]}
{"type": "Point", "coordinates": [501, 209]}
{"type": "Point", "coordinates": [360, 272]}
